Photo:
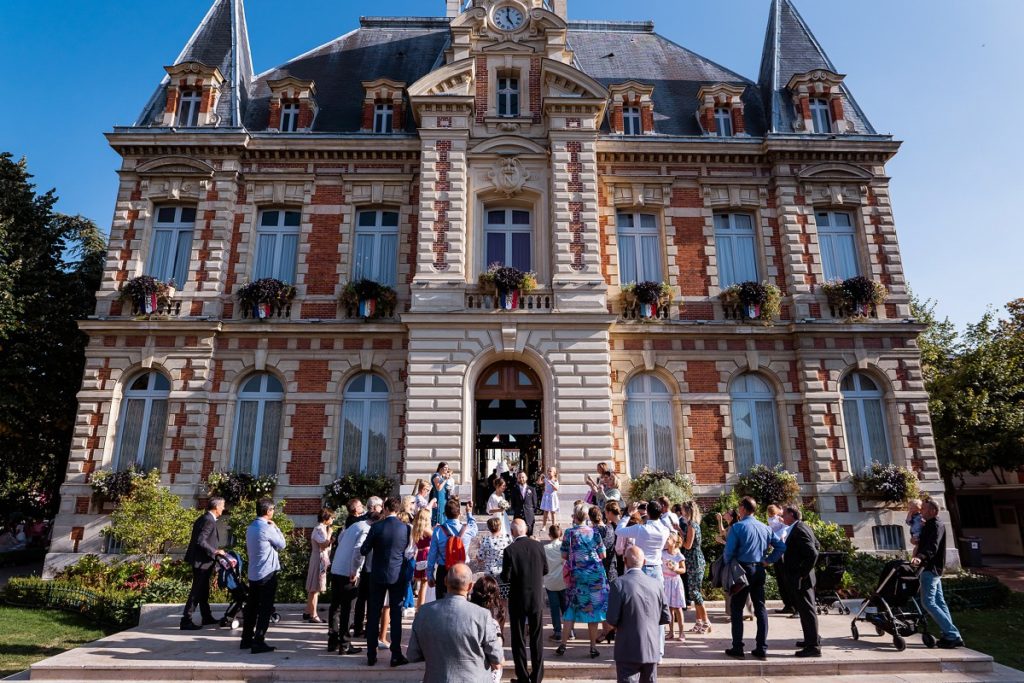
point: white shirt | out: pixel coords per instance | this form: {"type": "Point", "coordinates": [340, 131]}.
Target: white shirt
{"type": "Point", "coordinates": [670, 521]}
{"type": "Point", "coordinates": [777, 525]}
{"type": "Point", "coordinates": [649, 537]}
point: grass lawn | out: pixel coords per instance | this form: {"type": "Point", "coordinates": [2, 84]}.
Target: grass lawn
{"type": "Point", "coordinates": [30, 635]}
{"type": "Point", "coordinates": [995, 632]}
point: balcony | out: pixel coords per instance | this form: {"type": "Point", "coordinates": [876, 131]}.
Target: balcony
{"type": "Point", "coordinates": [165, 308]}
{"type": "Point", "coordinates": [266, 312]}
{"type": "Point", "coordinates": [635, 312]}
{"type": "Point", "coordinates": [537, 301]}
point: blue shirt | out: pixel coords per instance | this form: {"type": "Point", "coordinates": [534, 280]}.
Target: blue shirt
{"type": "Point", "coordinates": [916, 524]}
{"type": "Point", "coordinates": [263, 540]}
{"type": "Point", "coordinates": [439, 541]}
{"type": "Point", "coordinates": [749, 540]}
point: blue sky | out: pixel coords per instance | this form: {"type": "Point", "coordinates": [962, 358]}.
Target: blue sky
{"type": "Point", "coordinates": [942, 76]}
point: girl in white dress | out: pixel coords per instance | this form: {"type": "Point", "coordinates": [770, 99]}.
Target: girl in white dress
{"type": "Point", "coordinates": [549, 501]}
{"type": "Point", "coordinates": [674, 565]}
{"type": "Point", "coordinates": [497, 505]}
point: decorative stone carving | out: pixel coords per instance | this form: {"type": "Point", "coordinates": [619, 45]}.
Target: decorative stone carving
{"type": "Point", "coordinates": [509, 176]}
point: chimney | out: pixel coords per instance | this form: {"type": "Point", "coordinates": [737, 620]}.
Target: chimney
{"type": "Point", "coordinates": [453, 8]}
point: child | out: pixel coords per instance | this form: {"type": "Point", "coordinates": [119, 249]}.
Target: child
{"type": "Point", "coordinates": [549, 502]}
{"type": "Point", "coordinates": [775, 522]}
{"type": "Point", "coordinates": [673, 567]}
{"type": "Point", "coordinates": [487, 594]}
{"type": "Point", "coordinates": [422, 532]}
{"type": "Point", "coordinates": [422, 500]}
{"type": "Point", "coordinates": [914, 520]}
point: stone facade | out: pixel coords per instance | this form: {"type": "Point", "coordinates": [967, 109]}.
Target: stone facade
{"type": "Point", "coordinates": [566, 163]}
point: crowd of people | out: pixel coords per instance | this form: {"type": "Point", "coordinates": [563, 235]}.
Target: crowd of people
{"type": "Point", "coordinates": [628, 572]}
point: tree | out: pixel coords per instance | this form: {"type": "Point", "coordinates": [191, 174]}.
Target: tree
{"type": "Point", "coordinates": [50, 268]}
{"type": "Point", "coordinates": [151, 519]}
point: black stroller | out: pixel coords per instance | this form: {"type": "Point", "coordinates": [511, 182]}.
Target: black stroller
{"type": "Point", "coordinates": [829, 574]}
{"type": "Point", "coordinates": [896, 610]}
{"type": "Point", "coordinates": [229, 578]}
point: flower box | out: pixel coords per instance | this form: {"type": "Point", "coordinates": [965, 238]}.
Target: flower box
{"type": "Point", "coordinates": [148, 296]}
{"type": "Point", "coordinates": [855, 298]}
{"type": "Point", "coordinates": [237, 486]}
{"type": "Point", "coordinates": [507, 285]}
{"type": "Point", "coordinates": [892, 485]}
{"type": "Point", "coordinates": [646, 300]}
{"type": "Point", "coordinates": [752, 301]}
{"type": "Point", "coordinates": [266, 298]}
{"type": "Point", "coordinates": [368, 300]}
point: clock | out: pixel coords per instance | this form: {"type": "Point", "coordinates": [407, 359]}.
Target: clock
{"type": "Point", "coordinates": [509, 18]}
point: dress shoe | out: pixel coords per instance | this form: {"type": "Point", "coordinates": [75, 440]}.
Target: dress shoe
{"type": "Point", "coordinates": [785, 610]}
{"type": "Point", "coordinates": [371, 658]}
{"type": "Point", "coordinates": [349, 649]}
{"type": "Point", "coordinates": [190, 626]}
{"type": "Point", "coordinates": [735, 652]}
{"type": "Point", "coordinates": [332, 642]}
{"type": "Point", "coordinates": [759, 654]}
{"type": "Point", "coordinates": [245, 645]}
{"type": "Point", "coordinates": [947, 644]}
{"type": "Point", "coordinates": [809, 652]}
{"type": "Point", "coordinates": [260, 648]}
{"type": "Point", "coordinates": [210, 622]}
{"type": "Point", "coordinates": [398, 660]}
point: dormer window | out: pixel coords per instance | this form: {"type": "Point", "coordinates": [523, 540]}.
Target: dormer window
{"type": "Point", "coordinates": [193, 90]}
{"type": "Point", "coordinates": [821, 117]}
{"type": "Point", "coordinates": [723, 122]}
{"type": "Point", "coordinates": [289, 117]}
{"type": "Point", "coordinates": [383, 119]}
{"type": "Point", "coordinates": [188, 108]}
{"type": "Point", "coordinates": [508, 96]}
{"type": "Point", "coordinates": [632, 124]}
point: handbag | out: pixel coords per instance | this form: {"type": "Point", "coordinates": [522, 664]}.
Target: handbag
{"type": "Point", "coordinates": [421, 566]}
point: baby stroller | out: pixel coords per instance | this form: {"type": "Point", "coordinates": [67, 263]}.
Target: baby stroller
{"type": "Point", "coordinates": [895, 607]}
{"type": "Point", "coordinates": [829, 573]}
{"type": "Point", "coordinates": [229, 578]}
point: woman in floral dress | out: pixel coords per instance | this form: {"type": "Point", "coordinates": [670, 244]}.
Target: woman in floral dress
{"type": "Point", "coordinates": [586, 583]}
{"type": "Point", "coordinates": [695, 563]}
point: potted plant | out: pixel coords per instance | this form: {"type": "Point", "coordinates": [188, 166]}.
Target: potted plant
{"type": "Point", "coordinates": [146, 294]}
{"type": "Point", "coordinates": [356, 485]}
{"type": "Point", "coordinates": [855, 296]}
{"type": "Point", "coordinates": [368, 299]}
{"type": "Point", "coordinates": [110, 486]}
{"type": "Point", "coordinates": [647, 298]}
{"type": "Point", "coordinates": [508, 284]}
{"type": "Point", "coordinates": [769, 485]}
{"type": "Point", "coordinates": [753, 300]}
{"type": "Point", "coordinates": [891, 484]}
{"type": "Point", "coordinates": [265, 297]}
{"type": "Point", "coordinates": [236, 486]}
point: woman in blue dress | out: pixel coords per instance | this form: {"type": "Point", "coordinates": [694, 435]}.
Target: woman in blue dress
{"type": "Point", "coordinates": [586, 583]}
{"type": "Point", "coordinates": [439, 492]}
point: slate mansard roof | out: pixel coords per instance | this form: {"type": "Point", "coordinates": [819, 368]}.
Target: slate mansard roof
{"type": "Point", "coordinates": [406, 49]}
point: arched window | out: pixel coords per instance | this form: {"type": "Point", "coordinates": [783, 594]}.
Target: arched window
{"type": "Point", "coordinates": [755, 430]}
{"type": "Point", "coordinates": [507, 236]}
{"type": "Point", "coordinates": [864, 422]}
{"type": "Point", "coordinates": [649, 425]}
{"type": "Point", "coordinates": [364, 426]}
{"type": "Point", "coordinates": [143, 422]}
{"type": "Point", "coordinates": [258, 428]}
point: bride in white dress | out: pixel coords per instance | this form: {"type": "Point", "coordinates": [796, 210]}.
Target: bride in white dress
{"type": "Point", "coordinates": [497, 505]}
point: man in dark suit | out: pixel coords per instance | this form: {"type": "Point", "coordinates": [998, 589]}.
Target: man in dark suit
{"type": "Point", "coordinates": [523, 567]}
{"type": "Point", "coordinates": [637, 608]}
{"type": "Point", "coordinates": [522, 499]}
{"type": "Point", "coordinates": [202, 556]}
{"type": "Point", "coordinates": [796, 569]}
{"type": "Point", "coordinates": [388, 540]}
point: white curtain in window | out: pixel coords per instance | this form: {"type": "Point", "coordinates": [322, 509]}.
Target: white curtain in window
{"type": "Point", "coordinates": [855, 436]}
{"type": "Point", "coordinates": [131, 432]}
{"type": "Point", "coordinates": [265, 246]}
{"type": "Point", "coordinates": [651, 261]}
{"type": "Point", "coordinates": [767, 433]}
{"type": "Point", "coordinates": [636, 420]}
{"type": "Point", "coordinates": [182, 255]}
{"type": "Point", "coordinates": [154, 448]}
{"type": "Point", "coordinates": [363, 268]}
{"type": "Point", "coordinates": [661, 414]}
{"type": "Point", "coordinates": [874, 423]}
{"type": "Point", "coordinates": [352, 436]}
{"type": "Point", "coordinates": [743, 435]}
{"type": "Point", "coordinates": [270, 438]}
{"type": "Point", "coordinates": [245, 436]}
{"type": "Point", "coordinates": [839, 256]}
{"type": "Point", "coordinates": [377, 438]}
{"type": "Point", "coordinates": [160, 255]}
{"type": "Point", "coordinates": [627, 260]}
{"type": "Point", "coordinates": [735, 246]}
{"type": "Point", "coordinates": [388, 273]}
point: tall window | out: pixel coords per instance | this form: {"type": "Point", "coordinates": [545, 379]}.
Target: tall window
{"type": "Point", "coordinates": [143, 422]}
{"type": "Point", "coordinates": [821, 116]}
{"type": "Point", "coordinates": [755, 430]}
{"type": "Point", "coordinates": [277, 243]}
{"type": "Point", "coordinates": [383, 118]}
{"type": "Point", "coordinates": [507, 236]}
{"type": "Point", "coordinates": [172, 243]}
{"type": "Point", "coordinates": [864, 422]}
{"type": "Point", "coordinates": [639, 248]}
{"type": "Point", "coordinates": [508, 96]}
{"type": "Point", "coordinates": [258, 428]}
{"type": "Point", "coordinates": [837, 244]}
{"type": "Point", "coordinates": [377, 247]}
{"type": "Point", "coordinates": [188, 108]}
{"type": "Point", "coordinates": [632, 124]}
{"type": "Point", "coordinates": [736, 247]}
{"type": "Point", "coordinates": [649, 425]}
{"type": "Point", "coordinates": [289, 117]}
{"type": "Point", "coordinates": [723, 122]}
{"type": "Point", "coordinates": [364, 425]}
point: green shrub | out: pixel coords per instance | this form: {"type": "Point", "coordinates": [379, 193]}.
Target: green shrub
{"type": "Point", "coordinates": [88, 572]}
{"type": "Point", "coordinates": [649, 485]}
{"type": "Point", "coordinates": [865, 570]}
{"type": "Point", "coordinates": [361, 486]}
{"type": "Point", "coordinates": [151, 520]}
{"type": "Point", "coordinates": [830, 535]}
{"type": "Point", "coordinates": [769, 486]}
{"type": "Point", "coordinates": [889, 483]}
{"type": "Point", "coordinates": [974, 591]}
{"type": "Point", "coordinates": [107, 606]}
{"type": "Point", "coordinates": [165, 590]}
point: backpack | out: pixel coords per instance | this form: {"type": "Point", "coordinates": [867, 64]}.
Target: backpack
{"type": "Point", "coordinates": [454, 549]}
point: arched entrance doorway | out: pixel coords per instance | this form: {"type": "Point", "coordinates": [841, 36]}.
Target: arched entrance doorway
{"type": "Point", "coordinates": [509, 401]}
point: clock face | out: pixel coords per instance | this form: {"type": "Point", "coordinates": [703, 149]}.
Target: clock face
{"type": "Point", "coordinates": [508, 18]}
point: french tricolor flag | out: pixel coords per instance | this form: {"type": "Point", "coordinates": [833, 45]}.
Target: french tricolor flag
{"type": "Point", "coordinates": [367, 308]}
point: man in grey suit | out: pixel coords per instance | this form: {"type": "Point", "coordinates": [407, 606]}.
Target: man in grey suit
{"type": "Point", "coordinates": [457, 639]}
{"type": "Point", "coordinates": [636, 608]}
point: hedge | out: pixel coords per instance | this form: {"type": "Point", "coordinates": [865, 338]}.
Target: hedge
{"type": "Point", "coordinates": [114, 608]}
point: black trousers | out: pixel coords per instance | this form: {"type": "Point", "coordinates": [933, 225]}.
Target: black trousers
{"type": "Point", "coordinates": [755, 591]}
{"type": "Point", "coordinates": [440, 590]}
{"type": "Point", "coordinates": [396, 596]}
{"type": "Point", "coordinates": [259, 608]}
{"type": "Point", "coordinates": [343, 594]}
{"type": "Point", "coordinates": [199, 594]}
{"type": "Point", "coordinates": [362, 595]}
{"type": "Point", "coordinates": [785, 587]}
{"type": "Point", "coordinates": [518, 623]}
{"type": "Point", "coordinates": [803, 601]}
